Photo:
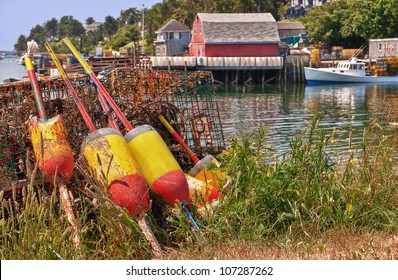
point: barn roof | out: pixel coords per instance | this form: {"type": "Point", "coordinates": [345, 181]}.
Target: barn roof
{"type": "Point", "coordinates": [173, 26]}
{"type": "Point", "coordinates": [239, 28]}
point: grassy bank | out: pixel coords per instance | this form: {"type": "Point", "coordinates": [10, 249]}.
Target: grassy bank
{"type": "Point", "coordinates": [278, 206]}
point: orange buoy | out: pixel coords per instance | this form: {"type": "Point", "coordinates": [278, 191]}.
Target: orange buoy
{"type": "Point", "coordinates": [201, 192]}
{"type": "Point", "coordinates": [112, 162]}
{"type": "Point", "coordinates": [203, 171]}
{"type": "Point", "coordinates": [52, 149]}
{"type": "Point", "coordinates": [158, 165]}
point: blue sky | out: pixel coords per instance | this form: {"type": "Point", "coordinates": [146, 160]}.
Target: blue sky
{"type": "Point", "coordinates": [19, 17]}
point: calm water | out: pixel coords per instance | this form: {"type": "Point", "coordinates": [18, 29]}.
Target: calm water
{"type": "Point", "coordinates": [9, 68]}
{"type": "Point", "coordinates": [286, 110]}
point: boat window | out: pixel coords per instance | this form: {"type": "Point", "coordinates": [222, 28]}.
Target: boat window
{"type": "Point", "coordinates": [380, 47]}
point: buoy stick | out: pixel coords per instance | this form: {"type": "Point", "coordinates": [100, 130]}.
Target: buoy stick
{"type": "Point", "coordinates": [65, 200]}
{"type": "Point", "coordinates": [184, 205]}
{"type": "Point", "coordinates": [100, 87]}
{"type": "Point", "coordinates": [72, 91]}
{"type": "Point", "coordinates": [111, 120]}
{"type": "Point", "coordinates": [150, 237]}
{"type": "Point", "coordinates": [32, 46]}
{"type": "Point", "coordinates": [179, 139]}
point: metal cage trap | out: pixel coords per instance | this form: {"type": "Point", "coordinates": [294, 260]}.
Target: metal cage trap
{"type": "Point", "coordinates": [185, 99]}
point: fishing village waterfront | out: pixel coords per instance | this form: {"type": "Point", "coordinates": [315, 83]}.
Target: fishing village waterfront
{"type": "Point", "coordinates": [201, 135]}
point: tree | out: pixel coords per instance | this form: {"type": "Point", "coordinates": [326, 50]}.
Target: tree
{"type": "Point", "coordinates": [90, 20]}
{"type": "Point", "coordinates": [352, 23]}
{"type": "Point", "coordinates": [125, 35]}
{"type": "Point", "coordinates": [109, 27]}
{"type": "Point", "coordinates": [70, 27]}
{"type": "Point", "coordinates": [38, 34]}
{"type": "Point", "coordinates": [129, 16]}
{"type": "Point", "coordinates": [21, 44]}
{"type": "Point", "coordinates": [50, 28]}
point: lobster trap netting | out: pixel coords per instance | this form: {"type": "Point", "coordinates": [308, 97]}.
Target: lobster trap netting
{"type": "Point", "coordinates": [185, 99]}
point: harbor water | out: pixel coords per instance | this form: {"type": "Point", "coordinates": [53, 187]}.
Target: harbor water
{"type": "Point", "coordinates": [9, 67]}
{"type": "Point", "coordinates": [285, 110]}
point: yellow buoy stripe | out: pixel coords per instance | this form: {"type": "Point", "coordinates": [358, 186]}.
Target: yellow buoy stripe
{"type": "Point", "coordinates": [149, 150]}
{"type": "Point", "coordinates": [111, 157]}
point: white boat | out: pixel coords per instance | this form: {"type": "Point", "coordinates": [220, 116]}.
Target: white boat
{"type": "Point", "coordinates": [351, 71]}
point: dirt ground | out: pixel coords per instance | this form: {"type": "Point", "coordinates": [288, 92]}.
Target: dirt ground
{"type": "Point", "coordinates": [336, 244]}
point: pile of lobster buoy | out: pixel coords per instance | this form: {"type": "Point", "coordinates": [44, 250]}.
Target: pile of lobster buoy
{"type": "Point", "coordinates": [128, 165]}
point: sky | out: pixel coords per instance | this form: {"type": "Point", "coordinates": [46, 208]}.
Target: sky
{"type": "Point", "coordinates": [20, 16]}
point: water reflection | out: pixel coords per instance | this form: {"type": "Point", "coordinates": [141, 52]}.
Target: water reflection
{"type": "Point", "coordinates": [286, 110]}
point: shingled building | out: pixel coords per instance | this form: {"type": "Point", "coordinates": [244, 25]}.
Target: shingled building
{"type": "Point", "coordinates": [234, 35]}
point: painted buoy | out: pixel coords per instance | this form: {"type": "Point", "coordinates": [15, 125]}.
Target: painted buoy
{"type": "Point", "coordinates": [204, 172]}
{"type": "Point", "coordinates": [158, 165]}
{"type": "Point", "coordinates": [111, 161]}
{"type": "Point", "coordinates": [52, 149]}
{"type": "Point", "coordinates": [201, 192]}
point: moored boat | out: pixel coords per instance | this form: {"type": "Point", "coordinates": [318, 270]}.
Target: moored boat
{"type": "Point", "coordinates": [351, 71]}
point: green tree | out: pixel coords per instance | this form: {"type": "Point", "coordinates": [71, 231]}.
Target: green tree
{"type": "Point", "coordinates": [109, 27]}
{"type": "Point", "coordinates": [21, 43]}
{"type": "Point", "coordinates": [51, 27]}
{"type": "Point", "coordinates": [129, 16]}
{"type": "Point", "coordinates": [352, 23]}
{"type": "Point", "coordinates": [90, 20]}
{"type": "Point", "coordinates": [125, 35]}
{"type": "Point", "coordinates": [70, 27]}
{"type": "Point", "coordinates": [38, 34]}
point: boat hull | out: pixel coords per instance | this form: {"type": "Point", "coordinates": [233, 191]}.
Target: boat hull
{"type": "Point", "coordinates": [323, 76]}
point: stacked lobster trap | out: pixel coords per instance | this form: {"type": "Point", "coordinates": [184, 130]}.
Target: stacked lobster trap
{"type": "Point", "coordinates": [185, 99]}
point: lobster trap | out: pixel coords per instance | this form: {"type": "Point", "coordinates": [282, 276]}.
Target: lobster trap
{"type": "Point", "coordinates": [185, 99]}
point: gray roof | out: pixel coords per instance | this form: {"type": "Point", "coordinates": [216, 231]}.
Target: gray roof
{"type": "Point", "coordinates": [173, 26]}
{"type": "Point", "coordinates": [239, 28]}
{"type": "Point", "coordinates": [290, 25]}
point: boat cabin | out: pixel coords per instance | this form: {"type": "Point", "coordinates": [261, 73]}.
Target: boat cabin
{"type": "Point", "coordinates": [352, 67]}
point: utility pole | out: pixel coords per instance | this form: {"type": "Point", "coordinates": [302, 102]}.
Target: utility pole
{"type": "Point", "coordinates": [143, 29]}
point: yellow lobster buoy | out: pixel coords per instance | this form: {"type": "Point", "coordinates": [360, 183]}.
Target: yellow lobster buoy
{"type": "Point", "coordinates": [112, 162]}
{"type": "Point", "coordinates": [52, 149]}
{"type": "Point", "coordinates": [158, 165]}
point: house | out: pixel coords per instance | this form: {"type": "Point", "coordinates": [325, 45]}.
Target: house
{"type": "Point", "coordinates": [234, 35]}
{"type": "Point", "coordinates": [93, 26]}
{"type": "Point", "coordinates": [379, 48]}
{"type": "Point", "coordinates": [172, 39]}
{"type": "Point", "coordinates": [289, 29]}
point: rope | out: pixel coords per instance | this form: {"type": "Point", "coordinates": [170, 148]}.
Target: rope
{"type": "Point", "coordinates": [32, 47]}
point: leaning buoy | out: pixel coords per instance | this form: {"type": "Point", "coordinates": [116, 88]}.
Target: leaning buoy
{"type": "Point", "coordinates": [201, 192]}
{"type": "Point", "coordinates": [111, 161]}
{"type": "Point", "coordinates": [52, 149]}
{"type": "Point", "coordinates": [158, 165]}
{"type": "Point", "coordinates": [203, 171]}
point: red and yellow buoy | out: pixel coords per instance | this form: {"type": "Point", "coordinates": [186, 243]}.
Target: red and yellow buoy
{"type": "Point", "coordinates": [112, 162]}
{"type": "Point", "coordinates": [52, 149]}
{"type": "Point", "coordinates": [158, 165]}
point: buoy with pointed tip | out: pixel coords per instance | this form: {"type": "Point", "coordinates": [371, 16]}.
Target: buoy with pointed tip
{"type": "Point", "coordinates": [112, 162]}
{"type": "Point", "coordinates": [158, 165]}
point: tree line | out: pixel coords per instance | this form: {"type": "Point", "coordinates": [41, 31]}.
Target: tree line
{"type": "Point", "coordinates": [347, 23]}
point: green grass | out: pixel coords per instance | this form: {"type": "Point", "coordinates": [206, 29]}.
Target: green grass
{"type": "Point", "coordinates": [304, 192]}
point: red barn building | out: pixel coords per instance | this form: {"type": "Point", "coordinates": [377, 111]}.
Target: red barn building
{"type": "Point", "coordinates": [234, 35]}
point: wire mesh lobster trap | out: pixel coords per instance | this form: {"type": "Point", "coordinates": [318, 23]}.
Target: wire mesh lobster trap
{"type": "Point", "coordinates": [185, 99]}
